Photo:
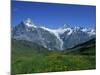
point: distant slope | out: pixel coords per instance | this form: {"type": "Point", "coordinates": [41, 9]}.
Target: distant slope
{"type": "Point", "coordinates": [87, 48]}
{"type": "Point", "coordinates": [25, 46]}
{"type": "Point", "coordinates": [88, 43]}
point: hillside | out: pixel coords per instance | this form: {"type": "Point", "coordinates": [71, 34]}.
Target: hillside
{"type": "Point", "coordinates": [86, 48]}
{"type": "Point", "coordinates": [22, 45]}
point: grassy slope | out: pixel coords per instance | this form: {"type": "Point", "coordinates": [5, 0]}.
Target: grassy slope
{"type": "Point", "coordinates": [31, 58]}
{"type": "Point", "coordinates": [87, 48]}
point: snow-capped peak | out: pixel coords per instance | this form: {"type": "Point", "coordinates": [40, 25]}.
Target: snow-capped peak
{"type": "Point", "coordinates": [77, 28]}
{"type": "Point", "coordinates": [65, 26]}
{"type": "Point", "coordinates": [28, 22]}
{"type": "Point", "coordinates": [84, 29]}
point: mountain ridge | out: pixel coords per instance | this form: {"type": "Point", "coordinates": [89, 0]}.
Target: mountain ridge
{"type": "Point", "coordinates": [61, 38]}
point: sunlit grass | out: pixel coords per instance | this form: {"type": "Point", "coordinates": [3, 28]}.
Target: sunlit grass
{"type": "Point", "coordinates": [30, 60]}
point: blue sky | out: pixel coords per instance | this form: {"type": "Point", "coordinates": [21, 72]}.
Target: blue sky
{"type": "Point", "coordinates": [53, 15]}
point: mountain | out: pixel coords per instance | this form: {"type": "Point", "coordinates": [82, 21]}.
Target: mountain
{"type": "Point", "coordinates": [28, 31]}
{"type": "Point", "coordinates": [53, 39]}
{"type": "Point", "coordinates": [76, 36]}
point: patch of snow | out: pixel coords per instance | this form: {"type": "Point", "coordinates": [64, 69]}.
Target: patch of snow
{"type": "Point", "coordinates": [84, 29]}
{"type": "Point", "coordinates": [53, 31]}
{"type": "Point", "coordinates": [29, 23]}
{"type": "Point", "coordinates": [92, 32]}
{"type": "Point", "coordinates": [61, 31]}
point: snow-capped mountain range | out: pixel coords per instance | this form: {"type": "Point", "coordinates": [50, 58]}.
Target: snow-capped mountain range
{"type": "Point", "coordinates": [59, 39]}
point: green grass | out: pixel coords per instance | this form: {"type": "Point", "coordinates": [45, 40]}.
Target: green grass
{"type": "Point", "coordinates": [32, 59]}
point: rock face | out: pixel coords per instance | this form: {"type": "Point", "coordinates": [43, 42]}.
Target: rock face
{"type": "Point", "coordinates": [58, 39]}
